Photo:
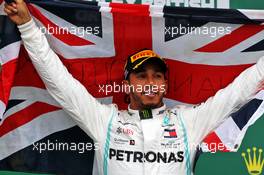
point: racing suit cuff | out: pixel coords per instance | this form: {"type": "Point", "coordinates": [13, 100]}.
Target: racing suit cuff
{"type": "Point", "coordinates": [27, 29]}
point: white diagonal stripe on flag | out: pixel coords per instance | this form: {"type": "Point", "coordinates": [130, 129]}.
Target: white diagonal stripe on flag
{"type": "Point", "coordinates": [2, 109]}
{"type": "Point", "coordinates": [253, 14]}
{"type": "Point", "coordinates": [34, 131]}
{"type": "Point", "coordinates": [185, 51]}
{"type": "Point", "coordinates": [9, 52]}
{"type": "Point", "coordinates": [32, 95]}
{"type": "Point", "coordinates": [2, 9]}
{"type": "Point", "coordinates": [228, 138]}
{"type": "Point", "coordinates": [103, 47]}
{"type": "Point", "coordinates": [246, 57]}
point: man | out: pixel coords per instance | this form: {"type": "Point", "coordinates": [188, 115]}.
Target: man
{"type": "Point", "coordinates": [147, 138]}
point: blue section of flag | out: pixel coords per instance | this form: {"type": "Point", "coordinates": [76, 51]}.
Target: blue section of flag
{"type": "Point", "coordinates": [242, 116]}
{"type": "Point", "coordinates": [256, 47]}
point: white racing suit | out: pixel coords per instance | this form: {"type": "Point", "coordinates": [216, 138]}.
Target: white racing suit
{"type": "Point", "coordinates": [164, 144]}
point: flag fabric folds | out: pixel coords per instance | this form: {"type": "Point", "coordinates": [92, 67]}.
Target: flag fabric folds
{"type": "Point", "coordinates": [204, 48]}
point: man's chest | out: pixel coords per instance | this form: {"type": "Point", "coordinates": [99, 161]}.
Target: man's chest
{"type": "Point", "coordinates": [152, 140]}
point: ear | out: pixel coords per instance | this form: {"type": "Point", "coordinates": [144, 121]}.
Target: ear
{"type": "Point", "coordinates": [126, 85]}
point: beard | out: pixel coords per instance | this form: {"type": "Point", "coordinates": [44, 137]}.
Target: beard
{"type": "Point", "coordinates": [141, 105]}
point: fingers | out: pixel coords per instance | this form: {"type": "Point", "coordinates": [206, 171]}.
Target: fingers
{"type": "Point", "coordinates": [10, 9]}
{"type": "Point", "coordinates": [14, 5]}
{"type": "Point", "coordinates": [8, 12]}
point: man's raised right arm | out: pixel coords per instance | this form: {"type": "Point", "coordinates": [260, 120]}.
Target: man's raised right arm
{"type": "Point", "coordinates": [90, 115]}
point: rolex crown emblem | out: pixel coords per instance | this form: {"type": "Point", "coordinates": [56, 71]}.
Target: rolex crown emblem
{"type": "Point", "coordinates": [254, 161]}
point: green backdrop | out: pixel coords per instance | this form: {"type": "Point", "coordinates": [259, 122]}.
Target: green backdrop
{"type": "Point", "coordinates": [247, 4]}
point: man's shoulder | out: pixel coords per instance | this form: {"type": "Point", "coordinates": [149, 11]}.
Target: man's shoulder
{"type": "Point", "coordinates": [182, 108]}
{"type": "Point", "coordinates": [179, 107]}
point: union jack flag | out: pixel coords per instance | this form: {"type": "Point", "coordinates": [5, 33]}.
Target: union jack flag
{"type": "Point", "coordinates": [201, 60]}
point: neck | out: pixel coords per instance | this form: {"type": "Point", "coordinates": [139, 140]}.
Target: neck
{"type": "Point", "coordinates": [142, 107]}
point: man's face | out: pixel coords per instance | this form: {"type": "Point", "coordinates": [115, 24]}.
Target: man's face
{"type": "Point", "coordinates": [147, 87]}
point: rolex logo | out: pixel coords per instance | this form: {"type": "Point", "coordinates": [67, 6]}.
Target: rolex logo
{"type": "Point", "coordinates": [254, 161]}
